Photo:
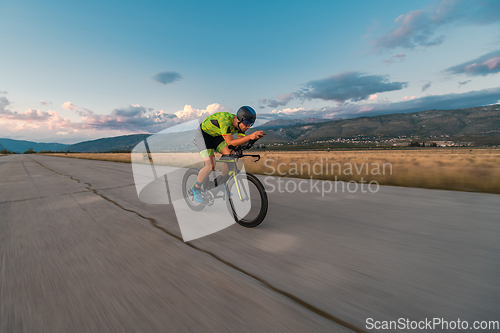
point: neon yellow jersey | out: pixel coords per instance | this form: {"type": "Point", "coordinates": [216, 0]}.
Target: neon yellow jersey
{"type": "Point", "coordinates": [220, 123]}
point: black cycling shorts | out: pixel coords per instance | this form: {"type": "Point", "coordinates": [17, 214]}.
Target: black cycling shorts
{"type": "Point", "coordinates": [207, 144]}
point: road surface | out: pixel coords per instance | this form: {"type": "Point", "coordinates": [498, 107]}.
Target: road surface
{"type": "Point", "coordinates": [79, 252]}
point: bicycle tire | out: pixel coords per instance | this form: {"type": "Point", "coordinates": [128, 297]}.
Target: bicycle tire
{"type": "Point", "coordinates": [248, 221]}
{"type": "Point", "coordinates": [192, 204]}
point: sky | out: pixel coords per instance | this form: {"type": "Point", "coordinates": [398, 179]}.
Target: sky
{"type": "Point", "coordinates": [77, 71]}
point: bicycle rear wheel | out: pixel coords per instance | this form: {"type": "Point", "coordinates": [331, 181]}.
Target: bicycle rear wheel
{"type": "Point", "coordinates": [188, 180]}
{"type": "Point", "coordinates": [246, 203]}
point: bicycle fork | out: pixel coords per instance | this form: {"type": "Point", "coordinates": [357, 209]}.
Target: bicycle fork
{"type": "Point", "coordinates": [242, 192]}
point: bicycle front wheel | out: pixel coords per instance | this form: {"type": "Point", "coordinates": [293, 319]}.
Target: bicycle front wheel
{"type": "Point", "coordinates": [246, 200]}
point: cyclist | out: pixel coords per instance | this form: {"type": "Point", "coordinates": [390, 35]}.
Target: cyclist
{"type": "Point", "coordinates": [216, 133]}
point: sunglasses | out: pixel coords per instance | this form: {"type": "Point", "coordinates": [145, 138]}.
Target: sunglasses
{"type": "Point", "coordinates": [247, 122]}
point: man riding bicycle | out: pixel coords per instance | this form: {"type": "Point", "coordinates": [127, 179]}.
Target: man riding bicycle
{"type": "Point", "coordinates": [216, 133]}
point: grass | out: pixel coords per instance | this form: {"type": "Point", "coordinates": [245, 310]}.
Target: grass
{"type": "Point", "coordinates": [112, 157]}
{"type": "Point", "coordinates": [476, 170]}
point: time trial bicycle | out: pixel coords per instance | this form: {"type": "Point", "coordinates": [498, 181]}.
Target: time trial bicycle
{"type": "Point", "coordinates": [244, 194]}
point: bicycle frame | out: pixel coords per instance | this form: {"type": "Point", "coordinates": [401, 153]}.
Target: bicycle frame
{"type": "Point", "coordinates": [233, 171]}
{"type": "Point", "coordinates": [231, 160]}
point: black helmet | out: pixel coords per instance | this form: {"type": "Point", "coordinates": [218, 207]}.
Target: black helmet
{"type": "Point", "coordinates": [248, 114]}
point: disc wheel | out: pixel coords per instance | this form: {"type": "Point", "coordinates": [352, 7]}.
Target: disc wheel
{"type": "Point", "coordinates": [240, 197]}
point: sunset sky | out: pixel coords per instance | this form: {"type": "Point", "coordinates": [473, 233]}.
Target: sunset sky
{"type": "Point", "coordinates": [75, 71]}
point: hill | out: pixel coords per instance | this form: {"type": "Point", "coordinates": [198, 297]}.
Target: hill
{"type": "Point", "coordinates": [476, 124]}
{"type": "Point", "coordinates": [119, 143]}
{"type": "Point", "coordinates": [279, 123]}
{"type": "Point", "coordinates": [20, 146]}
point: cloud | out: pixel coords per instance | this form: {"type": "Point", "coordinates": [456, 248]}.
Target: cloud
{"type": "Point", "coordinates": [441, 102]}
{"type": "Point", "coordinates": [482, 66]}
{"type": "Point", "coordinates": [132, 118]}
{"type": "Point", "coordinates": [40, 125]}
{"type": "Point", "coordinates": [426, 86]}
{"type": "Point", "coordinates": [69, 106]}
{"type": "Point", "coordinates": [31, 115]}
{"type": "Point", "coordinates": [413, 29]}
{"type": "Point", "coordinates": [136, 118]}
{"type": "Point", "coordinates": [394, 58]}
{"type": "Point", "coordinates": [189, 113]}
{"type": "Point", "coordinates": [3, 92]}
{"type": "Point", "coordinates": [44, 102]}
{"type": "Point", "coordinates": [418, 28]}
{"type": "Point", "coordinates": [341, 87]}
{"type": "Point", "coordinates": [352, 86]}
{"type": "Point", "coordinates": [4, 102]}
{"type": "Point", "coordinates": [166, 77]}
{"type": "Point", "coordinates": [463, 83]}
{"type": "Point", "coordinates": [131, 111]}
{"type": "Point", "coordinates": [412, 104]}
{"type": "Point", "coordinates": [30, 119]}
{"type": "Point", "coordinates": [122, 120]}
{"type": "Point", "coordinates": [282, 100]}
{"type": "Point", "coordinates": [297, 113]}
{"type": "Point", "coordinates": [290, 111]}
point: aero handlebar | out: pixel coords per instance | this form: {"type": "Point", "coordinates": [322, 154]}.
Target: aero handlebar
{"type": "Point", "coordinates": [238, 150]}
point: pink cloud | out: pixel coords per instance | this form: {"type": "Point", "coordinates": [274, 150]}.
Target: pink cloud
{"type": "Point", "coordinates": [69, 106]}
{"type": "Point", "coordinates": [365, 108]}
{"type": "Point", "coordinates": [492, 63]}
{"type": "Point", "coordinates": [486, 64]}
{"type": "Point", "coordinates": [123, 120]}
{"type": "Point", "coordinates": [189, 113]}
{"type": "Point", "coordinates": [406, 98]}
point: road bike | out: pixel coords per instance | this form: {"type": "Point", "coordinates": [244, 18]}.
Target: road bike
{"type": "Point", "coordinates": [244, 194]}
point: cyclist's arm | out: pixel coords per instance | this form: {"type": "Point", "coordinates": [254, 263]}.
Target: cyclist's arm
{"type": "Point", "coordinates": [242, 139]}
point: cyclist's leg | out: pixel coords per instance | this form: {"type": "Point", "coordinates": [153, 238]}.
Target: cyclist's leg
{"type": "Point", "coordinates": [206, 146]}
{"type": "Point", "coordinates": [209, 167]}
{"type": "Point", "coordinates": [203, 174]}
{"type": "Point", "coordinates": [223, 149]}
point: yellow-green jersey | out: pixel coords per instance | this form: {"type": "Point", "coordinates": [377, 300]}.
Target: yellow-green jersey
{"type": "Point", "coordinates": [220, 123]}
{"type": "Point", "coordinates": [209, 136]}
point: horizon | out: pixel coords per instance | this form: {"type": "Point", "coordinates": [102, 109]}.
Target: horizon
{"type": "Point", "coordinates": [326, 120]}
{"type": "Point", "coordinates": [155, 65]}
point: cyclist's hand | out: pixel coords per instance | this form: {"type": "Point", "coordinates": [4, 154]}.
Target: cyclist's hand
{"type": "Point", "coordinates": [257, 135]}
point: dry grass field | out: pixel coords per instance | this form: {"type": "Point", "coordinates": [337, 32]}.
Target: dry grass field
{"type": "Point", "coordinates": [119, 157]}
{"type": "Point", "coordinates": [475, 170]}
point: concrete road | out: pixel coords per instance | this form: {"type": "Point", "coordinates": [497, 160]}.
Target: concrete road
{"type": "Point", "coordinates": [80, 252]}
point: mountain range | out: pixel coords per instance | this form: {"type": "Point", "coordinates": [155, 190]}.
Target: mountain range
{"type": "Point", "coordinates": [20, 146]}
{"type": "Point", "coordinates": [477, 122]}
{"type": "Point", "coordinates": [480, 125]}
{"type": "Point", "coordinates": [278, 123]}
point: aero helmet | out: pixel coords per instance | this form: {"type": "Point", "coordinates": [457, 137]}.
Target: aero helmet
{"type": "Point", "coordinates": [246, 115]}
